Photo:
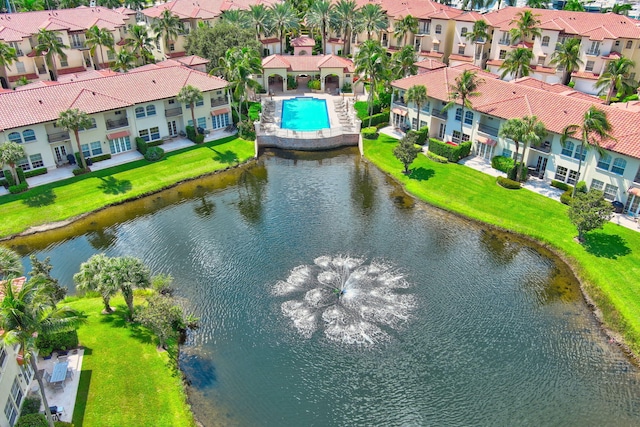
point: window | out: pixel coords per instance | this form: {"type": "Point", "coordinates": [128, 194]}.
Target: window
{"type": "Point", "coordinates": [20, 67]}
{"type": "Point", "coordinates": [458, 114]}
{"type": "Point", "coordinates": [561, 174]}
{"type": "Point", "coordinates": [3, 357]}
{"type": "Point", "coordinates": [29, 135]}
{"type": "Point", "coordinates": [545, 41]}
{"type": "Point", "coordinates": [202, 122]}
{"type": "Point", "coordinates": [465, 137]}
{"type": "Point", "coordinates": [139, 112]}
{"type": "Point", "coordinates": [23, 164]}
{"type": "Point", "coordinates": [461, 50]}
{"type": "Point", "coordinates": [597, 185]}
{"type": "Point", "coordinates": [200, 103]}
{"type": "Point", "coordinates": [463, 31]}
{"type": "Point", "coordinates": [610, 192]}
{"type": "Point", "coordinates": [456, 136]}
{"type": "Point", "coordinates": [422, 124]}
{"type": "Point", "coordinates": [573, 177]}
{"type": "Point", "coordinates": [92, 149]}
{"type": "Point", "coordinates": [503, 54]}
{"type": "Point", "coordinates": [155, 133]}
{"type": "Point", "coordinates": [436, 47]}
{"type": "Point", "coordinates": [541, 59]}
{"type": "Point", "coordinates": [567, 149]}
{"type": "Point", "coordinates": [414, 124]}
{"type": "Point", "coordinates": [16, 392]}
{"type": "Point", "coordinates": [426, 107]}
{"type": "Point", "coordinates": [144, 134]}
{"type": "Point", "coordinates": [36, 160]}
{"type": "Point", "coordinates": [589, 66]}
{"type": "Point", "coordinates": [576, 155]}
{"type": "Point", "coordinates": [507, 153]}
{"type": "Point", "coordinates": [172, 101]}
{"type": "Point", "coordinates": [618, 166]}
{"type": "Point", "coordinates": [15, 137]}
{"type": "Point", "coordinates": [111, 56]}
{"type": "Point", "coordinates": [604, 162]}
{"type": "Point", "coordinates": [10, 411]}
{"type": "Point", "coordinates": [468, 118]}
{"type": "Point", "coordinates": [93, 124]}
{"type": "Point", "coordinates": [151, 110]}
{"type": "Point", "coordinates": [438, 29]}
{"type": "Point", "coordinates": [64, 62]}
{"type": "Point", "coordinates": [617, 43]}
{"type": "Point", "coordinates": [172, 47]}
{"type": "Point", "coordinates": [220, 121]}
{"type": "Point", "coordinates": [629, 44]}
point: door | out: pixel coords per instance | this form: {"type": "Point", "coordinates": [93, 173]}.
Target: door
{"type": "Point", "coordinates": [173, 128]}
{"type": "Point", "coordinates": [441, 131]}
{"type": "Point", "coordinates": [60, 152]}
{"type": "Point", "coordinates": [541, 167]}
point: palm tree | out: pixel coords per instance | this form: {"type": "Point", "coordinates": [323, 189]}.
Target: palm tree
{"type": "Point", "coordinates": [237, 67]}
{"type": "Point", "coordinates": [374, 19]}
{"type": "Point", "coordinates": [29, 5]}
{"type": "Point", "coordinates": [616, 77]}
{"type": "Point", "coordinates": [10, 153]}
{"type": "Point", "coordinates": [537, 4]}
{"type": "Point", "coordinates": [622, 8]}
{"type": "Point", "coordinates": [418, 95]}
{"type": "Point", "coordinates": [10, 264]}
{"type": "Point", "coordinates": [7, 56]}
{"type": "Point", "coordinates": [527, 26]}
{"type": "Point", "coordinates": [466, 87]}
{"type": "Point", "coordinates": [513, 129]}
{"type": "Point", "coordinates": [574, 6]}
{"type": "Point", "coordinates": [91, 277]}
{"type": "Point", "coordinates": [140, 43]}
{"type": "Point", "coordinates": [371, 63]}
{"type": "Point", "coordinates": [533, 132]}
{"type": "Point", "coordinates": [408, 24]}
{"type": "Point", "coordinates": [72, 120]}
{"type": "Point", "coordinates": [99, 37]}
{"type": "Point", "coordinates": [567, 56]}
{"type": "Point", "coordinates": [167, 24]}
{"type": "Point", "coordinates": [346, 17]}
{"type": "Point", "coordinates": [478, 34]}
{"type": "Point", "coordinates": [111, 4]}
{"type": "Point", "coordinates": [403, 62]}
{"type": "Point", "coordinates": [135, 4]}
{"type": "Point", "coordinates": [49, 43]}
{"type": "Point", "coordinates": [127, 273]}
{"type": "Point", "coordinates": [473, 4]}
{"type": "Point", "coordinates": [594, 130]}
{"type": "Point", "coordinates": [283, 21]}
{"type": "Point", "coordinates": [319, 19]}
{"type": "Point", "coordinates": [236, 17]}
{"type": "Point", "coordinates": [190, 95]}
{"type": "Point", "coordinates": [24, 316]}
{"type": "Point", "coordinates": [517, 63]}
{"type": "Point", "coordinates": [260, 18]}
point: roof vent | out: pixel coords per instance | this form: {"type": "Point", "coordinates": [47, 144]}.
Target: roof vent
{"type": "Point", "coordinates": [94, 94]}
{"type": "Point", "coordinates": [514, 92]}
{"type": "Point", "coordinates": [40, 101]}
{"type": "Point", "coordinates": [153, 81]}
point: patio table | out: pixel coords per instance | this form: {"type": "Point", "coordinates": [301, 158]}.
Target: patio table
{"type": "Point", "coordinates": [59, 373]}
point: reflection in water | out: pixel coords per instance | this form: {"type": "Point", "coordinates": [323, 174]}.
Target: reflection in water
{"type": "Point", "coordinates": [102, 239]}
{"type": "Point", "coordinates": [362, 187]}
{"type": "Point", "coordinates": [205, 208]}
{"type": "Point", "coordinates": [501, 250]}
{"type": "Point", "coordinates": [251, 187]}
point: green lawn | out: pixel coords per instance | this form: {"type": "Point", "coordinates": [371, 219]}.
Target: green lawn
{"type": "Point", "coordinates": [125, 380]}
{"type": "Point", "coordinates": [608, 264]}
{"type": "Point", "coordinates": [74, 196]}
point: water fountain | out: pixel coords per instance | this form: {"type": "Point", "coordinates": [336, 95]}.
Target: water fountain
{"type": "Point", "coordinates": [354, 302]}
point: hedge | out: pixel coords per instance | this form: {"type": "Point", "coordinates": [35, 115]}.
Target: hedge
{"type": "Point", "coordinates": [154, 154]}
{"type": "Point", "coordinates": [31, 405]}
{"type": "Point", "coordinates": [101, 158]}
{"type": "Point", "coordinates": [565, 197]}
{"type": "Point", "coordinates": [362, 108]}
{"type": "Point", "coordinates": [502, 163]}
{"type": "Point", "coordinates": [376, 119]}
{"type": "Point", "coordinates": [508, 183]}
{"type": "Point", "coordinates": [21, 176]}
{"type": "Point", "coordinates": [20, 188]}
{"type": "Point", "coordinates": [35, 172]}
{"type": "Point", "coordinates": [254, 112]}
{"type": "Point", "coordinates": [9, 178]}
{"type": "Point", "coordinates": [453, 153]}
{"type": "Point", "coordinates": [370, 132]}
{"type": "Point", "coordinates": [80, 171]}
{"type": "Point", "coordinates": [314, 84]}
{"type": "Point", "coordinates": [155, 143]}
{"type": "Point", "coordinates": [422, 135]}
{"type": "Point", "coordinates": [560, 185]}
{"type": "Point", "coordinates": [191, 133]}
{"type": "Point", "coordinates": [436, 158]}
{"type": "Point", "coordinates": [32, 420]}
{"type": "Point", "coordinates": [64, 341]}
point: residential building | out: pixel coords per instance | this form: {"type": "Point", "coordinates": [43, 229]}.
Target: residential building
{"type": "Point", "coordinates": [19, 30]}
{"type": "Point", "coordinates": [603, 37]}
{"type": "Point", "coordinates": [616, 172]}
{"type": "Point", "coordinates": [467, 51]}
{"type": "Point", "coordinates": [141, 103]}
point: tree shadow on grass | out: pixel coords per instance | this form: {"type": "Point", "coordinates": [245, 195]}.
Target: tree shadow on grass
{"type": "Point", "coordinates": [39, 199]}
{"type": "Point", "coordinates": [422, 174]}
{"type": "Point", "coordinates": [118, 319]}
{"type": "Point", "coordinates": [605, 245]}
{"type": "Point", "coordinates": [83, 393]}
{"type": "Point", "coordinates": [111, 185]}
{"type": "Point", "coordinates": [228, 156]}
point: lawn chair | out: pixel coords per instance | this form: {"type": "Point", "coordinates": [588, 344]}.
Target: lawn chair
{"type": "Point", "coordinates": [46, 376]}
{"type": "Point", "coordinates": [69, 374]}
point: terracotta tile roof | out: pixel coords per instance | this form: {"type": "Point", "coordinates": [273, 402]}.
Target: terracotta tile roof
{"type": "Point", "coordinates": [470, 17]}
{"type": "Point", "coordinates": [270, 40]}
{"type": "Point", "coordinates": [307, 62]}
{"type": "Point", "coordinates": [303, 41]}
{"type": "Point", "coordinates": [193, 60]}
{"type": "Point", "coordinates": [202, 9]}
{"type": "Point", "coordinates": [597, 26]}
{"type": "Point", "coordinates": [585, 75]}
{"type": "Point", "coordinates": [421, 9]}
{"type": "Point", "coordinates": [430, 54]}
{"type": "Point", "coordinates": [480, 72]}
{"type": "Point", "coordinates": [542, 69]}
{"type": "Point", "coordinates": [557, 88]}
{"type": "Point", "coordinates": [336, 40]}
{"type": "Point", "coordinates": [509, 100]}
{"type": "Point", "coordinates": [100, 94]}
{"type": "Point", "coordinates": [612, 55]}
{"type": "Point", "coordinates": [464, 58]}
{"type": "Point", "coordinates": [176, 54]}
{"type": "Point", "coordinates": [430, 64]}
{"type": "Point", "coordinates": [496, 62]}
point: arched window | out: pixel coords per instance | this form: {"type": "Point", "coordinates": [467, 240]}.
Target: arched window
{"type": "Point", "coordinates": [92, 125]}
{"type": "Point", "coordinates": [576, 155]}
{"type": "Point", "coordinates": [618, 166]}
{"type": "Point", "coordinates": [139, 112]}
{"type": "Point", "coordinates": [458, 114]}
{"type": "Point", "coordinates": [29, 135]}
{"type": "Point", "coordinates": [15, 137]}
{"type": "Point", "coordinates": [438, 29]}
{"type": "Point", "coordinates": [545, 41]}
{"type": "Point", "coordinates": [468, 117]}
{"type": "Point", "coordinates": [463, 31]}
{"type": "Point", "coordinates": [151, 110]}
{"type": "Point", "coordinates": [604, 162]}
{"type": "Point", "coordinates": [567, 148]}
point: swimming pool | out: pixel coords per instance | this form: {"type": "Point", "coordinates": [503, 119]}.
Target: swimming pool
{"type": "Point", "coordinates": [304, 114]}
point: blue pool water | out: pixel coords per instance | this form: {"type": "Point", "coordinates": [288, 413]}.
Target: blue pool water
{"type": "Point", "coordinates": [305, 114]}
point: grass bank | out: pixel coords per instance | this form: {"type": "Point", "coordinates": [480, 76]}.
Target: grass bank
{"type": "Point", "coordinates": [75, 196]}
{"type": "Point", "coordinates": [125, 380]}
{"type": "Point", "coordinates": [607, 264]}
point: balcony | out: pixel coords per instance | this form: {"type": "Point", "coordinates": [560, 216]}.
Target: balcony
{"type": "Point", "coordinates": [593, 52]}
{"type": "Point", "coordinates": [115, 124]}
{"type": "Point", "coordinates": [439, 114]}
{"type": "Point", "coordinates": [400, 102]}
{"type": "Point", "coordinates": [385, 43]}
{"type": "Point", "coordinates": [172, 112]}
{"type": "Point", "coordinates": [505, 42]}
{"type": "Point", "coordinates": [58, 136]}
{"type": "Point", "coordinates": [545, 147]}
{"type": "Point", "coordinates": [218, 102]}
{"type": "Point", "coordinates": [79, 46]}
{"type": "Point", "coordinates": [488, 130]}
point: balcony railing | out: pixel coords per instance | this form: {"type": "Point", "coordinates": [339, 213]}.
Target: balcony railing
{"type": "Point", "coordinates": [78, 45]}
{"type": "Point", "coordinates": [439, 114]}
{"type": "Point", "coordinates": [545, 147]}
{"type": "Point", "coordinates": [120, 123]}
{"type": "Point", "coordinates": [58, 136]}
{"type": "Point", "coordinates": [400, 102]}
{"type": "Point", "coordinates": [218, 102]}
{"type": "Point", "coordinates": [506, 42]}
{"type": "Point", "coordinates": [593, 52]}
{"type": "Point", "coordinates": [385, 43]}
{"type": "Point", "coordinates": [489, 130]}
{"type": "Point", "coordinates": [171, 112]}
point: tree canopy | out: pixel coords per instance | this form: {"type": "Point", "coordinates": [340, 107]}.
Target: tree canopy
{"type": "Point", "coordinates": [589, 211]}
{"type": "Point", "coordinates": [406, 151]}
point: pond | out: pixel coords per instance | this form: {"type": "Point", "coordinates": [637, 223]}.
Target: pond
{"type": "Point", "coordinates": [441, 322]}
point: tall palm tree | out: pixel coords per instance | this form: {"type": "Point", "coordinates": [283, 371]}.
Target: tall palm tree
{"type": "Point", "coordinates": [73, 120]}
{"type": "Point", "coordinates": [99, 38]}
{"type": "Point", "coordinates": [125, 60]}
{"type": "Point", "coordinates": [140, 43]}
{"type": "Point", "coordinates": [567, 56]}
{"type": "Point", "coordinates": [190, 95]}
{"type": "Point", "coordinates": [259, 18]}
{"type": "Point", "coordinates": [533, 133]}
{"type": "Point", "coordinates": [616, 77]}
{"type": "Point", "coordinates": [167, 25]}
{"type": "Point", "coordinates": [319, 19]}
{"type": "Point", "coordinates": [465, 87]}
{"type": "Point", "coordinates": [127, 274]}
{"type": "Point", "coordinates": [346, 17]}
{"type": "Point", "coordinates": [527, 26]}
{"type": "Point", "coordinates": [538, 4]}
{"type": "Point", "coordinates": [283, 20]}
{"type": "Point", "coordinates": [374, 19]}
{"type": "Point", "coordinates": [517, 63]}
{"type": "Point", "coordinates": [10, 153]}
{"type": "Point", "coordinates": [51, 46]}
{"type": "Point", "coordinates": [29, 5]}
{"type": "Point", "coordinates": [93, 277]}
{"type": "Point", "coordinates": [7, 56]}
{"type": "Point", "coordinates": [236, 17]}
{"type": "Point", "coordinates": [574, 6]}
{"type": "Point", "coordinates": [594, 129]}
{"type": "Point", "coordinates": [24, 316]}
{"type": "Point", "coordinates": [10, 264]}
{"type": "Point", "coordinates": [371, 63]}
{"type": "Point", "coordinates": [403, 62]}
{"type": "Point", "coordinates": [478, 34]}
{"type": "Point", "coordinates": [408, 24]}
{"type": "Point", "coordinates": [418, 95]}
{"type": "Point", "coordinates": [135, 4]}
{"type": "Point", "coordinates": [513, 129]}
{"type": "Point", "coordinates": [622, 8]}
{"type": "Point", "coordinates": [111, 4]}
{"type": "Point", "coordinates": [237, 66]}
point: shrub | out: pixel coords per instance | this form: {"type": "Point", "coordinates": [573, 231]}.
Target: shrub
{"type": "Point", "coordinates": [155, 153]}
{"type": "Point", "coordinates": [421, 135]}
{"type": "Point", "coordinates": [514, 170]}
{"type": "Point", "coordinates": [199, 138]}
{"type": "Point", "coordinates": [453, 153]}
{"type": "Point", "coordinates": [565, 197]}
{"type": "Point", "coordinates": [9, 178]}
{"type": "Point", "coordinates": [78, 158]}
{"type": "Point", "coordinates": [20, 173]}
{"type": "Point", "coordinates": [246, 130]}
{"type": "Point", "coordinates": [191, 133]}
{"type": "Point", "coordinates": [32, 420]}
{"type": "Point", "coordinates": [314, 84]}
{"type": "Point", "coordinates": [370, 132]}
{"type": "Point", "coordinates": [508, 183]}
{"type": "Point", "coordinates": [101, 158]}
{"type": "Point", "coordinates": [581, 187]}
{"type": "Point", "coordinates": [291, 83]}
{"type": "Point", "coordinates": [571, 84]}
{"type": "Point", "coordinates": [437, 158]}
{"type": "Point", "coordinates": [362, 108]}
{"type": "Point", "coordinates": [347, 88]}
{"type": "Point", "coordinates": [501, 163]}
{"type": "Point", "coordinates": [141, 145]}
{"type": "Point", "coordinates": [155, 143]}
{"type": "Point", "coordinates": [35, 172]}
{"type": "Point", "coordinates": [80, 171]}
{"type": "Point", "coordinates": [254, 111]}
{"type": "Point", "coordinates": [53, 342]}
{"type": "Point", "coordinates": [4, 183]}
{"type": "Point", "coordinates": [376, 119]}
{"type": "Point", "coordinates": [260, 89]}
{"type": "Point", "coordinates": [561, 185]}
{"type": "Point", "coordinates": [31, 405]}
{"type": "Point", "coordinates": [382, 125]}
{"type": "Point", "coordinates": [20, 188]}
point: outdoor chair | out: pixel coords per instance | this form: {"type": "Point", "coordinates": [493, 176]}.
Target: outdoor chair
{"type": "Point", "coordinates": [58, 386]}
{"type": "Point", "coordinates": [69, 374]}
{"type": "Point", "coordinates": [46, 376]}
